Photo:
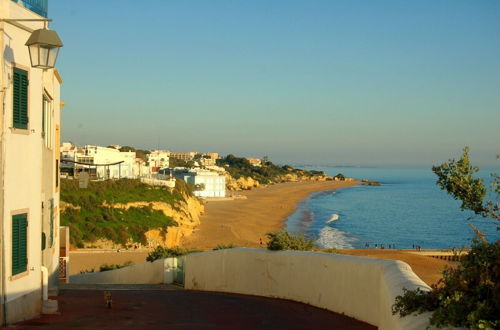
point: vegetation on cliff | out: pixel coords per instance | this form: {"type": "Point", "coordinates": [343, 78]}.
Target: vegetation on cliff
{"type": "Point", "coordinates": [268, 173]}
{"type": "Point", "coordinates": [91, 215]}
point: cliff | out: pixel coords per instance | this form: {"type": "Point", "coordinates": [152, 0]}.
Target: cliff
{"type": "Point", "coordinates": [125, 213]}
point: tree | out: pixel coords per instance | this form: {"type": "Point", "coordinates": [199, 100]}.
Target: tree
{"type": "Point", "coordinates": [469, 294]}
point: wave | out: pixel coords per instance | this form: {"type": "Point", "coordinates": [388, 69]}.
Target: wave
{"type": "Point", "coordinates": [333, 238]}
{"type": "Point", "coordinates": [333, 218]}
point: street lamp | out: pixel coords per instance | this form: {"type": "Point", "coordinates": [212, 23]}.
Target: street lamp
{"type": "Point", "coordinates": [43, 45]}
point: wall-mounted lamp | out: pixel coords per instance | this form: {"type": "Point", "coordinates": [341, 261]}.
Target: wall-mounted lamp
{"type": "Point", "coordinates": [43, 44]}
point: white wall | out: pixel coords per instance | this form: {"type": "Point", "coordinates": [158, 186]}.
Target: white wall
{"type": "Point", "coordinates": [362, 288]}
{"type": "Point", "coordinates": [22, 164]}
{"type": "Point", "coordinates": [159, 271]}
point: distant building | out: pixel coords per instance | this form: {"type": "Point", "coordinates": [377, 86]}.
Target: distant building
{"type": "Point", "coordinates": [207, 184]}
{"type": "Point", "coordinates": [105, 163]}
{"type": "Point", "coordinates": [68, 157]}
{"type": "Point", "coordinates": [208, 159]}
{"type": "Point", "coordinates": [185, 156]}
{"type": "Point", "coordinates": [158, 159]}
{"type": "Point", "coordinates": [255, 162]}
{"type": "Point", "coordinates": [30, 113]}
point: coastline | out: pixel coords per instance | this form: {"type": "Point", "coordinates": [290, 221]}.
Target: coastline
{"type": "Point", "coordinates": [245, 222]}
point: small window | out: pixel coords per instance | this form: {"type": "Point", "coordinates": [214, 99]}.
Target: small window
{"type": "Point", "coordinates": [47, 121]}
{"type": "Point", "coordinates": [19, 243]}
{"type": "Point", "coordinates": [20, 99]}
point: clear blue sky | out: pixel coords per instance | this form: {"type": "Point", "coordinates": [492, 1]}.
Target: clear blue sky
{"type": "Point", "coordinates": [351, 82]}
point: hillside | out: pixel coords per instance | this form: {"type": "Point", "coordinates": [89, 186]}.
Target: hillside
{"type": "Point", "coordinates": [243, 175]}
{"type": "Point", "coordinates": [125, 212]}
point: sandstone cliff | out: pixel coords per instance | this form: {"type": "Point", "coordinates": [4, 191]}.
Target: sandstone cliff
{"type": "Point", "coordinates": [185, 213]}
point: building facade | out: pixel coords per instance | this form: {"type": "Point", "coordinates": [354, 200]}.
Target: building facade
{"type": "Point", "coordinates": [158, 159]}
{"type": "Point", "coordinates": [105, 163]}
{"type": "Point", "coordinates": [185, 156]}
{"type": "Point", "coordinates": [29, 167]}
{"type": "Point", "coordinates": [207, 184]}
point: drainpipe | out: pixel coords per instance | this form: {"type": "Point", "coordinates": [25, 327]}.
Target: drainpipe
{"type": "Point", "coordinates": [45, 283]}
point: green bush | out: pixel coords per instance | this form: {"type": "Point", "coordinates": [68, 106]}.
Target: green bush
{"type": "Point", "coordinates": [161, 252]}
{"type": "Point", "coordinates": [106, 267]}
{"type": "Point", "coordinates": [224, 246]}
{"type": "Point", "coordinates": [286, 241]}
{"type": "Point", "coordinates": [466, 296]}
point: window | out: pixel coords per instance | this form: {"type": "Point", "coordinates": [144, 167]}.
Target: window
{"type": "Point", "coordinates": [47, 121]}
{"type": "Point", "coordinates": [20, 99]}
{"type": "Point", "coordinates": [19, 243]}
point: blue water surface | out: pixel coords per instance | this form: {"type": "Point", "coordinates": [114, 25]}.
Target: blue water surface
{"type": "Point", "coordinates": [408, 209]}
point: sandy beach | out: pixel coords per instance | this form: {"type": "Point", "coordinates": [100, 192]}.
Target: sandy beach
{"type": "Point", "coordinates": [244, 222]}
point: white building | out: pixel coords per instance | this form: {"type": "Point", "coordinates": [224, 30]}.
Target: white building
{"type": "Point", "coordinates": [30, 116]}
{"type": "Point", "coordinates": [158, 159]}
{"type": "Point", "coordinates": [105, 163]}
{"type": "Point", "coordinates": [207, 184]}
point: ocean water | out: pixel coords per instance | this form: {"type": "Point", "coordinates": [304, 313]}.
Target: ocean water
{"type": "Point", "coordinates": [408, 209]}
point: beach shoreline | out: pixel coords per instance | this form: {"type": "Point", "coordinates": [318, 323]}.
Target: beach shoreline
{"type": "Point", "coordinates": [244, 222]}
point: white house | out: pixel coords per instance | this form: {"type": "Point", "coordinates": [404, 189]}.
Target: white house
{"type": "Point", "coordinates": [158, 159]}
{"type": "Point", "coordinates": [105, 163]}
{"type": "Point", "coordinates": [30, 116]}
{"type": "Point", "coordinates": [207, 184]}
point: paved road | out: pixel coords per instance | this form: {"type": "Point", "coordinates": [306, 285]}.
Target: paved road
{"type": "Point", "coordinates": [171, 308]}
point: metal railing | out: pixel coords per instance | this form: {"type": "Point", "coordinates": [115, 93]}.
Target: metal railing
{"type": "Point", "coordinates": [38, 6]}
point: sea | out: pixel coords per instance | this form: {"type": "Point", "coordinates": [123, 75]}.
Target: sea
{"type": "Point", "coordinates": [405, 211]}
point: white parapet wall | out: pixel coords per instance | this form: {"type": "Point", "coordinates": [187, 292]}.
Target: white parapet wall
{"type": "Point", "coordinates": [362, 288]}
{"type": "Point", "coordinates": [157, 272]}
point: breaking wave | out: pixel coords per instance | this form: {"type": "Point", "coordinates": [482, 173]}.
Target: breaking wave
{"type": "Point", "coordinates": [333, 218]}
{"type": "Point", "coordinates": [333, 238]}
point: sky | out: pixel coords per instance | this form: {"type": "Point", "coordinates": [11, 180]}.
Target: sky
{"type": "Point", "coordinates": [317, 82]}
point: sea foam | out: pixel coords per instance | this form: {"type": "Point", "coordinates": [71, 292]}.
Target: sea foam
{"type": "Point", "coordinates": [333, 218]}
{"type": "Point", "coordinates": [333, 238]}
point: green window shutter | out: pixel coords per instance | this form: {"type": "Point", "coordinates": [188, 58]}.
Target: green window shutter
{"type": "Point", "coordinates": [44, 239]}
{"type": "Point", "coordinates": [19, 243]}
{"type": "Point", "coordinates": [20, 99]}
{"type": "Point", "coordinates": [51, 235]}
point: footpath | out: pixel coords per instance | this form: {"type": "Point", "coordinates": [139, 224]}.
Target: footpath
{"type": "Point", "coordinates": [172, 307]}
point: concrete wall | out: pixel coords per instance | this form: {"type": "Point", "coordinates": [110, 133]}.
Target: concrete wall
{"type": "Point", "coordinates": [362, 288]}
{"type": "Point", "coordinates": [157, 272]}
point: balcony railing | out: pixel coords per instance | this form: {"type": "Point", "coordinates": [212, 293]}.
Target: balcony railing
{"type": "Point", "coordinates": [38, 6]}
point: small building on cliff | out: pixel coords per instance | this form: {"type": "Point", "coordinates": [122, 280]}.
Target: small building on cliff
{"type": "Point", "coordinates": [207, 184]}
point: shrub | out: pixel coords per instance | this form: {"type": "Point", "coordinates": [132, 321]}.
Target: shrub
{"type": "Point", "coordinates": [224, 246]}
{"type": "Point", "coordinates": [332, 250]}
{"type": "Point", "coordinates": [466, 296]}
{"type": "Point", "coordinates": [286, 241]}
{"type": "Point", "coordinates": [106, 267]}
{"type": "Point", "coordinates": [161, 252]}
